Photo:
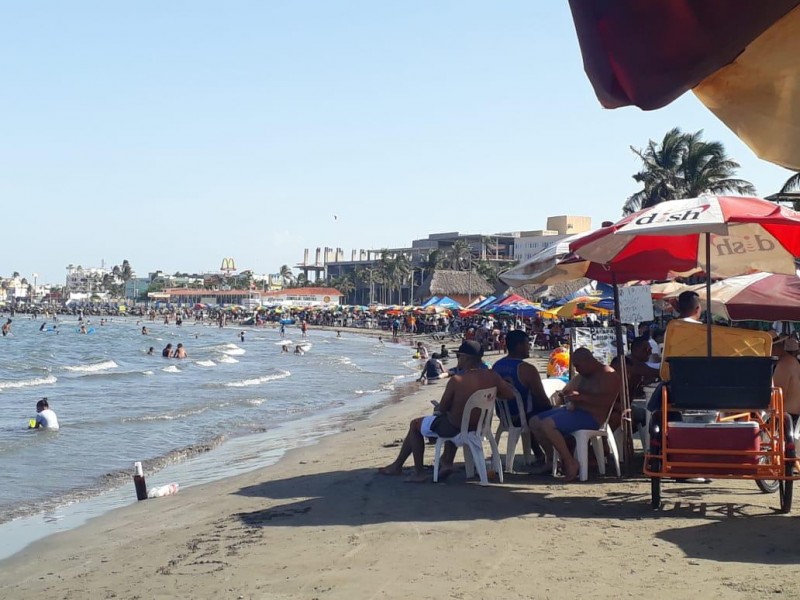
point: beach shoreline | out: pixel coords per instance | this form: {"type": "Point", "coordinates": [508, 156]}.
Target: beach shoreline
{"type": "Point", "coordinates": [321, 523]}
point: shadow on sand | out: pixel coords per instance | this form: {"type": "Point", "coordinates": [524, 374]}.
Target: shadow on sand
{"type": "Point", "coordinates": [737, 532]}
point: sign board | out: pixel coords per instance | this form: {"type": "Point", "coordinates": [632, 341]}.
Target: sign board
{"type": "Point", "coordinates": [635, 304]}
{"type": "Point", "coordinates": [601, 341]}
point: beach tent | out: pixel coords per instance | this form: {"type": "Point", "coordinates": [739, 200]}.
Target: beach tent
{"type": "Point", "coordinates": [515, 305]}
{"type": "Point", "coordinates": [431, 301]}
{"type": "Point", "coordinates": [448, 303]}
{"type": "Point", "coordinates": [475, 302]}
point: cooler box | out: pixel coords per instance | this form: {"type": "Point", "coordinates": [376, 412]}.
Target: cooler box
{"type": "Point", "coordinates": [712, 436]}
{"type": "Point", "coordinates": [729, 382]}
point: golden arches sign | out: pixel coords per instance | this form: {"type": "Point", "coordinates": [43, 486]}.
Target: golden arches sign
{"type": "Point", "coordinates": [228, 264]}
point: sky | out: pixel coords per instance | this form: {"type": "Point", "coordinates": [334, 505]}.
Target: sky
{"type": "Point", "coordinates": [174, 134]}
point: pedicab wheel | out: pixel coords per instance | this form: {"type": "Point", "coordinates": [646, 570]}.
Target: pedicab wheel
{"type": "Point", "coordinates": [768, 486]}
{"type": "Point", "coordinates": [655, 492]}
{"type": "Point", "coordinates": [785, 489]}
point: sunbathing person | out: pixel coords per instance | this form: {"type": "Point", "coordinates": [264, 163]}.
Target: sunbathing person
{"type": "Point", "coordinates": [587, 398]}
{"type": "Point", "coordinates": [446, 421]}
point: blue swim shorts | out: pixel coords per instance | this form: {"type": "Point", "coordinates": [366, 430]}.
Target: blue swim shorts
{"type": "Point", "coordinates": [568, 421]}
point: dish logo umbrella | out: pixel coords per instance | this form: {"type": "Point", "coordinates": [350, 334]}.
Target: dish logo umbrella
{"type": "Point", "coordinates": [692, 214]}
{"type": "Point", "coordinates": [727, 245]}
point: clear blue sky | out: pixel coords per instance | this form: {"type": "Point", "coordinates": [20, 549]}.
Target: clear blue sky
{"type": "Point", "coordinates": [176, 133]}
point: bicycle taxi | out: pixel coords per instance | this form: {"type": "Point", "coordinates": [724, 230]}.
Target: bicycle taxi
{"type": "Point", "coordinates": [720, 416]}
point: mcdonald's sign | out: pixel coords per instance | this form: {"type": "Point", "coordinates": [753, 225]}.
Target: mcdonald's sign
{"type": "Point", "coordinates": [228, 264]}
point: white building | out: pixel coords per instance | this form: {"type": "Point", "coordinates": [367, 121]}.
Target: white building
{"type": "Point", "coordinates": [85, 281]}
{"type": "Point", "coordinates": [531, 242]}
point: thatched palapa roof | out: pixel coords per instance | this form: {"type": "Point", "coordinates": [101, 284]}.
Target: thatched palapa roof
{"type": "Point", "coordinates": [453, 283]}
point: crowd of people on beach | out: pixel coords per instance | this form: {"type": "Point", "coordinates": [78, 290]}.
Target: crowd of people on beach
{"type": "Point", "coordinates": [589, 400]}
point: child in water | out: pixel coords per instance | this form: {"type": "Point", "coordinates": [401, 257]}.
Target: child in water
{"type": "Point", "coordinates": [45, 417]}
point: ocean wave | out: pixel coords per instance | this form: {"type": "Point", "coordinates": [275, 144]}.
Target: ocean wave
{"type": "Point", "coordinates": [233, 351]}
{"type": "Point", "coordinates": [93, 368]}
{"type": "Point", "coordinates": [21, 383]}
{"type": "Point", "coordinates": [258, 380]}
{"type": "Point", "coordinates": [171, 369]}
{"type": "Point", "coordinates": [148, 373]}
{"type": "Point", "coordinates": [227, 360]}
{"type": "Point", "coordinates": [206, 363]}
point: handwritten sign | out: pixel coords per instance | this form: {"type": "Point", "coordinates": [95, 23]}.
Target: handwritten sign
{"type": "Point", "coordinates": [635, 304]}
{"type": "Point", "coordinates": [601, 341]}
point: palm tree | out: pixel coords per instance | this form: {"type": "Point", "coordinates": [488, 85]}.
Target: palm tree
{"type": "Point", "coordinates": [486, 270]}
{"type": "Point", "coordinates": [126, 272]}
{"type": "Point", "coordinates": [431, 262]}
{"type": "Point", "coordinates": [683, 165]}
{"type": "Point", "coordinates": [286, 275]}
{"type": "Point", "coordinates": [402, 270]}
{"type": "Point", "coordinates": [460, 255]}
{"type": "Point", "coordinates": [344, 284]}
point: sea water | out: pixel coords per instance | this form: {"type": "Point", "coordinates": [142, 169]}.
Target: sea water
{"type": "Point", "coordinates": [231, 406]}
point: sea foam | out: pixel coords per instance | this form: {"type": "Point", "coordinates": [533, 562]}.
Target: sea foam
{"type": "Point", "coordinates": [93, 368]}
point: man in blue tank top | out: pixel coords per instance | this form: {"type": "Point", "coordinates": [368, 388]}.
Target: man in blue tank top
{"type": "Point", "coordinates": [525, 379]}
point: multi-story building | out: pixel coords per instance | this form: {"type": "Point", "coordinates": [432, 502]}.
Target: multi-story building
{"type": "Point", "coordinates": [85, 281]}
{"type": "Point", "coordinates": [530, 243]}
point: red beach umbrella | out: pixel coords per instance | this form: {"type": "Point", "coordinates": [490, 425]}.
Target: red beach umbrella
{"type": "Point", "coordinates": [739, 58]}
{"type": "Point", "coordinates": [723, 236]}
{"type": "Point", "coordinates": [757, 297]}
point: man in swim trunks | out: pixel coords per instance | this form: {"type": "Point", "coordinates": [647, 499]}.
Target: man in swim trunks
{"type": "Point", "coordinates": [587, 398]}
{"type": "Point", "coordinates": [525, 379]}
{"type": "Point", "coordinates": [446, 421]}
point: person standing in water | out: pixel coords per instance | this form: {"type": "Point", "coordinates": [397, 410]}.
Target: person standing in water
{"type": "Point", "coordinates": [6, 328]}
{"type": "Point", "coordinates": [45, 417]}
{"type": "Point", "coordinates": [241, 336]}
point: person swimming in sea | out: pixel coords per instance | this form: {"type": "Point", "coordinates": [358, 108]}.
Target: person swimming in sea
{"type": "Point", "coordinates": [6, 328]}
{"type": "Point", "coordinates": [144, 330]}
{"type": "Point", "coordinates": [45, 417]}
{"type": "Point", "coordinates": [180, 352]}
{"type": "Point", "coordinates": [298, 350]}
{"type": "Point", "coordinates": [241, 336]}
{"type": "Point", "coordinates": [83, 329]}
{"type": "Point", "coordinates": [43, 326]}
{"type": "Point", "coordinates": [151, 351]}
{"type": "Point", "coordinates": [167, 351]}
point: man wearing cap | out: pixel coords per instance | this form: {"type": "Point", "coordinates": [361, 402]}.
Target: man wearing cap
{"type": "Point", "coordinates": [787, 373]}
{"type": "Point", "coordinates": [446, 421]}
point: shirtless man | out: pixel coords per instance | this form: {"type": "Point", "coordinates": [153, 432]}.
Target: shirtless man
{"type": "Point", "coordinates": [588, 398]}
{"type": "Point", "coordinates": [446, 421]}
{"type": "Point", "coordinates": [787, 374]}
{"type": "Point", "coordinates": [180, 352]}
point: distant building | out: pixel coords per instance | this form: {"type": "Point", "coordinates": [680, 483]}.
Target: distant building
{"type": "Point", "coordinates": [307, 296]}
{"type": "Point", "coordinates": [85, 281]}
{"type": "Point", "coordinates": [530, 243]}
{"type": "Point", "coordinates": [136, 288]}
{"type": "Point", "coordinates": [311, 296]}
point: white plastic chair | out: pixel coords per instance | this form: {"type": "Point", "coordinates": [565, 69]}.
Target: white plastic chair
{"type": "Point", "coordinates": [594, 436]}
{"type": "Point", "coordinates": [475, 459]}
{"type": "Point", "coordinates": [514, 432]}
{"type": "Point", "coordinates": [551, 386]}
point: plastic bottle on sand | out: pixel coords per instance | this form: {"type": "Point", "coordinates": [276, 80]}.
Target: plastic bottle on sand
{"type": "Point", "coordinates": [164, 490]}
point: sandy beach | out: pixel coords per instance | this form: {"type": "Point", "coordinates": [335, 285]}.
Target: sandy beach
{"type": "Point", "coordinates": [323, 524]}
